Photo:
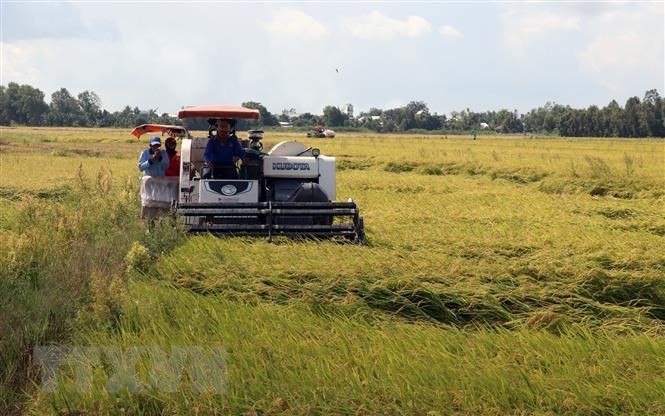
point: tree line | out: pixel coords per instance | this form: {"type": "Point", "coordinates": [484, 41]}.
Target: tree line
{"type": "Point", "coordinates": [25, 105]}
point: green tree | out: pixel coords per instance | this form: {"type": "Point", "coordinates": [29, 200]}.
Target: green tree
{"type": "Point", "coordinates": [333, 116]}
{"type": "Point", "coordinates": [534, 120]}
{"type": "Point", "coordinates": [592, 122]}
{"type": "Point", "coordinates": [652, 109]}
{"type": "Point", "coordinates": [106, 119]}
{"type": "Point", "coordinates": [91, 106]}
{"type": "Point", "coordinates": [307, 119]}
{"type": "Point", "coordinates": [4, 120]}
{"type": "Point", "coordinates": [614, 120]}
{"type": "Point", "coordinates": [635, 122]}
{"type": "Point", "coordinates": [165, 118]}
{"type": "Point", "coordinates": [266, 118]}
{"type": "Point", "coordinates": [427, 121]}
{"type": "Point", "coordinates": [10, 99]}
{"type": "Point", "coordinates": [64, 109]}
{"type": "Point", "coordinates": [22, 104]}
{"type": "Point", "coordinates": [509, 120]}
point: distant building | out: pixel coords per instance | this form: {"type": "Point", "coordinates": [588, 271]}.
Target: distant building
{"type": "Point", "coordinates": [348, 110]}
{"type": "Point", "coordinates": [285, 124]}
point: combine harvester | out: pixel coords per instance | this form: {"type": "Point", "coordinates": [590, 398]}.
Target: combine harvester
{"type": "Point", "coordinates": [289, 191]}
{"type": "Point", "coordinates": [321, 132]}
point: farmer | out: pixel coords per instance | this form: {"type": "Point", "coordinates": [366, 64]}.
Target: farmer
{"type": "Point", "coordinates": [174, 157]}
{"type": "Point", "coordinates": [153, 161]}
{"type": "Point", "coordinates": [222, 151]}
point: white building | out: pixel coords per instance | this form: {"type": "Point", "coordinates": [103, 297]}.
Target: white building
{"type": "Point", "coordinates": [348, 110]}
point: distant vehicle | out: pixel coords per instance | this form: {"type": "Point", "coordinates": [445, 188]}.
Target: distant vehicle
{"type": "Point", "coordinates": [321, 132]}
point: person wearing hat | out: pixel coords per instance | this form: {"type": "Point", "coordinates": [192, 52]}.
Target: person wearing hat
{"type": "Point", "coordinates": [153, 161]}
{"type": "Point", "coordinates": [222, 151]}
{"type": "Point", "coordinates": [174, 157]}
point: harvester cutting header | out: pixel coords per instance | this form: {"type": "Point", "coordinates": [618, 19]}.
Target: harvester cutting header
{"type": "Point", "coordinates": [229, 188]}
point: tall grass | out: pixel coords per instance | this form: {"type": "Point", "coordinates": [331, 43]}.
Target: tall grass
{"type": "Point", "coordinates": [295, 360]}
{"type": "Point", "coordinates": [62, 266]}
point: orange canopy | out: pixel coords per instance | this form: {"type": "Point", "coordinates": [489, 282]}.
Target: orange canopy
{"type": "Point", "coordinates": [161, 128]}
{"type": "Point", "coordinates": [219, 111]}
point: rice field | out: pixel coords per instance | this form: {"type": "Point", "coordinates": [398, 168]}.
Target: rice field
{"type": "Point", "coordinates": [505, 275]}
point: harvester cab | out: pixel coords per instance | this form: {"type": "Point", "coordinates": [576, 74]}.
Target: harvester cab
{"type": "Point", "coordinates": [288, 191]}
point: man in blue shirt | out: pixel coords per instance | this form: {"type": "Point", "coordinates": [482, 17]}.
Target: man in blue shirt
{"type": "Point", "coordinates": [222, 151]}
{"type": "Point", "coordinates": [153, 162]}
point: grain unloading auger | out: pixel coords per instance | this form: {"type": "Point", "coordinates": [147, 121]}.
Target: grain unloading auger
{"type": "Point", "coordinates": [288, 191]}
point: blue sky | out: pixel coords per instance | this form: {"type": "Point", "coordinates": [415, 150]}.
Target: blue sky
{"type": "Point", "coordinates": [452, 56]}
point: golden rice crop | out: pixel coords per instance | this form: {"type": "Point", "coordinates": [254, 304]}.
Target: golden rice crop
{"type": "Point", "coordinates": [502, 275]}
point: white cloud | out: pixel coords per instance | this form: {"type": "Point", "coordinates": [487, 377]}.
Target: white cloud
{"type": "Point", "coordinates": [378, 26]}
{"type": "Point", "coordinates": [36, 21]}
{"type": "Point", "coordinates": [448, 31]}
{"type": "Point", "coordinates": [106, 69]}
{"type": "Point", "coordinates": [522, 28]}
{"type": "Point", "coordinates": [296, 23]}
{"type": "Point", "coordinates": [613, 58]}
{"type": "Point", "coordinates": [14, 53]}
{"type": "Point", "coordinates": [627, 49]}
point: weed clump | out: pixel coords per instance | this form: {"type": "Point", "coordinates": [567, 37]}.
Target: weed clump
{"type": "Point", "coordinates": [620, 213]}
{"type": "Point", "coordinates": [347, 164]}
{"type": "Point", "coordinates": [435, 170]}
{"type": "Point", "coordinates": [138, 259]}
{"type": "Point", "coordinates": [553, 322]}
{"type": "Point", "coordinates": [109, 297]}
{"type": "Point", "coordinates": [598, 168]}
{"type": "Point", "coordinates": [399, 167]}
